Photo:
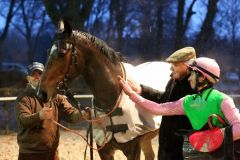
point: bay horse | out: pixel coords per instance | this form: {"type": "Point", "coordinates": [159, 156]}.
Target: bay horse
{"type": "Point", "coordinates": [76, 53]}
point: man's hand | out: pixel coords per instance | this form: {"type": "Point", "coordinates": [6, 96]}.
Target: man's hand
{"type": "Point", "coordinates": [46, 113]}
{"type": "Point", "coordinates": [86, 113]}
{"type": "Point", "coordinates": [125, 86]}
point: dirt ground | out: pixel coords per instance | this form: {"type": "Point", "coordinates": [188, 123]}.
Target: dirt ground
{"type": "Point", "coordinates": [71, 147]}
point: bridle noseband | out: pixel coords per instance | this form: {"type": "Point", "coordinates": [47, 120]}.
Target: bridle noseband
{"type": "Point", "coordinates": [62, 87]}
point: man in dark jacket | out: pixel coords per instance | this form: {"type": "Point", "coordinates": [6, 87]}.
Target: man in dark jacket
{"type": "Point", "coordinates": [170, 144]}
{"type": "Point", "coordinates": [38, 136]}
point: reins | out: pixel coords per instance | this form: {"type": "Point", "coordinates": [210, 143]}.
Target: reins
{"type": "Point", "coordinates": [96, 119]}
{"type": "Point", "coordinates": [66, 76]}
{"type": "Point", "coordinates": [116, 104]}
{"type": "Point", "coordinates": [75, 132]}
{"type": "Point", "coordinates": [73, 61]}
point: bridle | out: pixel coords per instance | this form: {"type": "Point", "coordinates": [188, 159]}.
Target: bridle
{"type": "Point", "coordinates": [62, 87]}
{"type": "Point", "coordinates": [73, 59]}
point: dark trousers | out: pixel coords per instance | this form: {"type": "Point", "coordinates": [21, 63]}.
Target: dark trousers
{"type": "Point", "coordinates": [39, 156]}
{"type": "Point", "coordinates": [170, 144]}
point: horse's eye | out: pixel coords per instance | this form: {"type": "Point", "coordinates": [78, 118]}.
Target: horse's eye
{"type": "Point", "coordinates": [61, 51]}
{"type": "Point", "coordinates": [63, 48]}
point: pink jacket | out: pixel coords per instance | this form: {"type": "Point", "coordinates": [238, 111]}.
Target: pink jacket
{"type": "Point", "coordinates": [176, 108]}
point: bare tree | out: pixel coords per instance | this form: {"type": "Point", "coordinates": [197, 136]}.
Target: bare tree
{"type": "Point", "coordinates": [110, 25]}
{"type": "Point", "coordinates": [30, 23]}
{"type": "Point", "coordinates": [96, 23]}
{"type": "Point", "coordinates": [120, 21]}
{"type": "Point", "coordinates": [207, 29]}
{"type": "Point", "coordinates": [228, 25]}
{"type": "Point", "coordinates": [117, 21]}
{"type": "Point", "coordinates": [181, 23]}
{"type": "Point", "coordinates": [8, 17]}
{"type": "Point", "coordinates": [159, 22]}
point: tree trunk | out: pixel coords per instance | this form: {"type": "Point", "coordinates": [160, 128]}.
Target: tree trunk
{"type": "Point", "coordinates": [181, 24]}
{"type": "Point", "coordinates": [120, 19]}
{"type": "Point", "coordinates": [159, 36]}
{"type": "Point", "coordinates": [207, 30]}
{"type": "Point", "coordinates": [6, 26]}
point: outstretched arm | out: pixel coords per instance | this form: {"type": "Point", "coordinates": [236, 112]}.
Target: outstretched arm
{"type": "Point", "coordinates": [170, 108]}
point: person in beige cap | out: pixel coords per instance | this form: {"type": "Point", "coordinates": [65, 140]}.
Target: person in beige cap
{"type": "Point", "coordinates": [182, 55]}
{"type": "Point", "coordinates": [170, 144]}
{"type": "Point", "coordinates": [206, 109]}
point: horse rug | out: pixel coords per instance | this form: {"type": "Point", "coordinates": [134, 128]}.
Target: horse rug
{"type": "Point", "coordinates": [153, 74]}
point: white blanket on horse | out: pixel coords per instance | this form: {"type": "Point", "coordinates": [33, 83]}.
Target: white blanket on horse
{"type": "Point", "coordinates": [139, 122]}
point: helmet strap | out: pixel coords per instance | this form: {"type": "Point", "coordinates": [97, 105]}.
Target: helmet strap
{"type": "Point", "coordinates": [196, 81]}
{"type": "Point", "coordinates": [204, 83]}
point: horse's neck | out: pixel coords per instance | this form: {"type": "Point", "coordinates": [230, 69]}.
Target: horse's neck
{"type": "Point", "coordinates": [101, 78]}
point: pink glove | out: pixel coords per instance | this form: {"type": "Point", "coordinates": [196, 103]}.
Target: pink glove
{"type": "Point", "coordinates": [135, 86]}
{"type": "Point", "coordinates": [125, 86]}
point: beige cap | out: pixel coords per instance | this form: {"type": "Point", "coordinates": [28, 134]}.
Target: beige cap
{"type": "Point", "coordinates": [182, 55]}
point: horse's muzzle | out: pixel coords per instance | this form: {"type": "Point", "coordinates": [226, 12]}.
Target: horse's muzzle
{"type": "Point", "coordinates": [42, 96]}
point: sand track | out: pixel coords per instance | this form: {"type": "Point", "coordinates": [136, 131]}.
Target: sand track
{"type": "Point", "coordinates": [71, 147]}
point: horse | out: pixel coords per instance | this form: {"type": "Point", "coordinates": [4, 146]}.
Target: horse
{"type": "Point", "coordinates": [76, 53]}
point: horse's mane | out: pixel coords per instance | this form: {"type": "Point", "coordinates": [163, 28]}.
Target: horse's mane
{"type": "Point", "coordinates": [110, 53]}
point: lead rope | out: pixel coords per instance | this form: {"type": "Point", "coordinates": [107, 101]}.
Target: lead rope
{"type": "Point", "coordinates": [97, 119]}
{"type": "Point", "coordinates": [116, 104]}
{"type": "Point", "coordinates": [75, 132]}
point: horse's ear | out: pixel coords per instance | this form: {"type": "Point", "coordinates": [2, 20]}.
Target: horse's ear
{"type": "Point", "coordinates": [64, 26]}
{"type": "Point", "coordinates": [67, 27]}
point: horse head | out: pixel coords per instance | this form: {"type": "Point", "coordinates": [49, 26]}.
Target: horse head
{"type": "Point", "coordinates": [76, 53]}
{"type": "Point", "coordinates": [61, 63]}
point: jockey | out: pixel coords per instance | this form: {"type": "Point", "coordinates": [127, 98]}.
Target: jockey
{"type": "Point", "coordinates": [176, 88]}
{"type": "Point", "coordinates": [205, 72]}
{"type": "Point", "coordinates": [207, 67]}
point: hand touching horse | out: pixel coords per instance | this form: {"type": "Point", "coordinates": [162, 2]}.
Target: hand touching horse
{"type": "Point", "coordinates": [76, 53]}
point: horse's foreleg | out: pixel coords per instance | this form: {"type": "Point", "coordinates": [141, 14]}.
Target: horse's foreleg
{"type": "Point", "coordinates": [107, 152]}
{"type": "Point", "coordinates": [146, 144]}
{"type": "Point", "coordinates": [132, 149]}
{"type": "Point", "coordinates": [134, 155]}
{"type": "Point", "coordinates": [148, 150]}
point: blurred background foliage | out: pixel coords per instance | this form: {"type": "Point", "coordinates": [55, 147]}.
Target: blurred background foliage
{"type": "Point", "coordinates": [142, 30]}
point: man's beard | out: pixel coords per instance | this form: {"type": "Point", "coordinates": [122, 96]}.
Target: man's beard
{"type": "Point", "coordinates": [32, 82]}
